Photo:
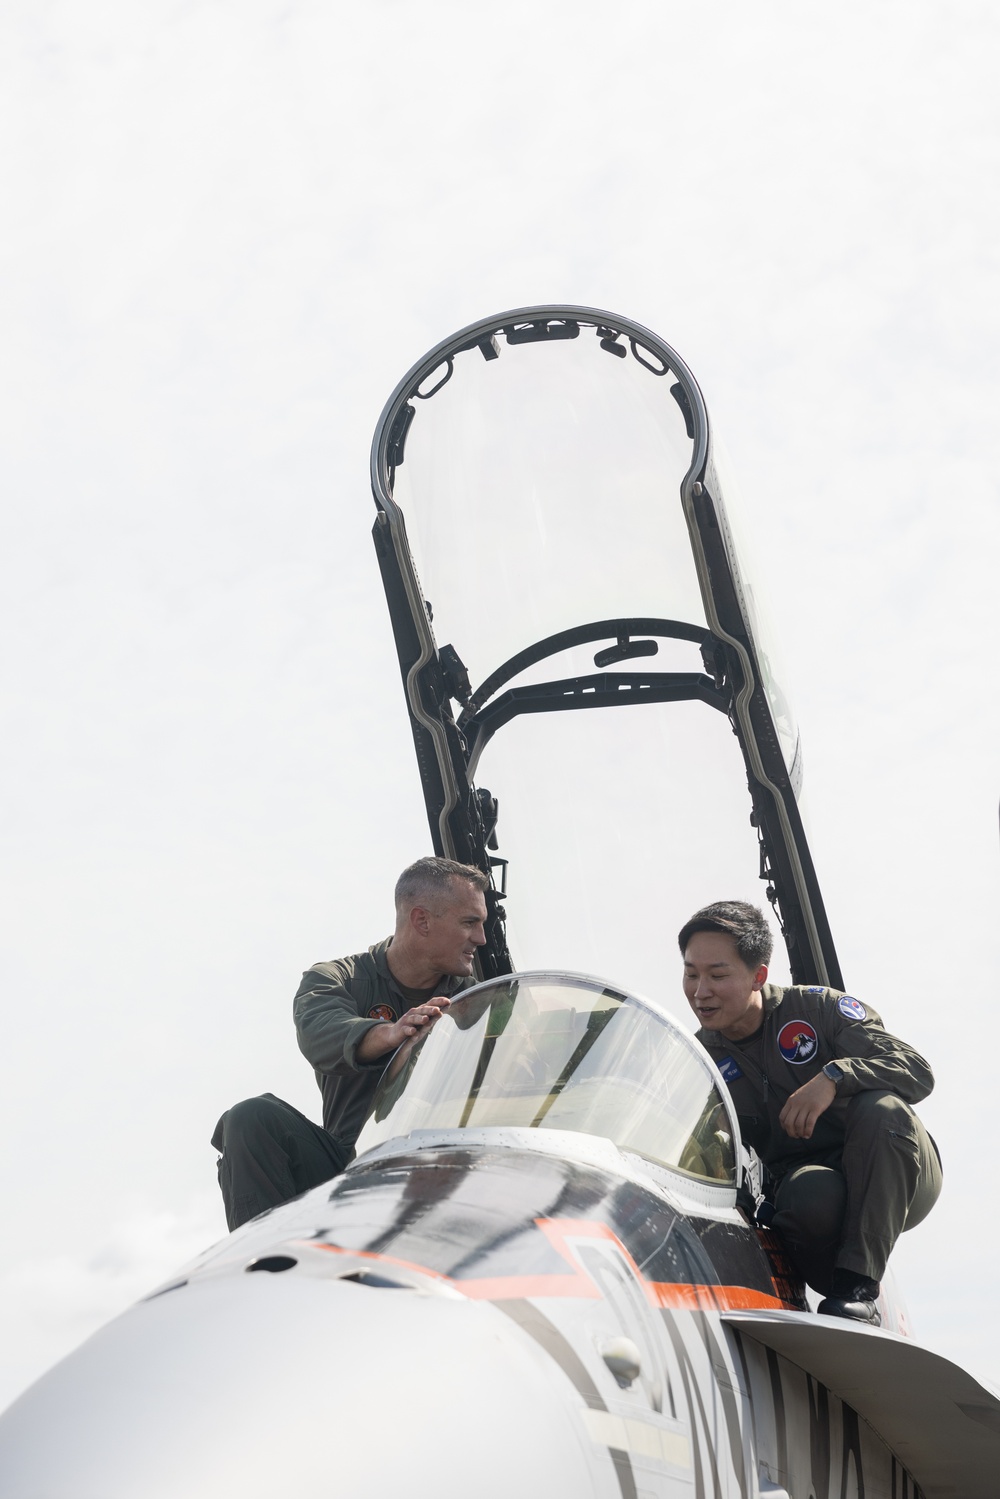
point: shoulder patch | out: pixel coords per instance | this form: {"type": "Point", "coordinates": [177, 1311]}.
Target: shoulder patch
{"type": "Point", "coordinates": [730, 1070]}
{"type": "Point", "coordinates": [797, 1042]}
{"type": "Point", "coordinates": [381, 1012]}
{"type": "Point", "coordinates": [851, 1007]}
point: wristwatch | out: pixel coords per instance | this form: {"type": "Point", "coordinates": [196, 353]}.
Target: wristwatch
{"type": "Point", "coordinates": [834, 1073]}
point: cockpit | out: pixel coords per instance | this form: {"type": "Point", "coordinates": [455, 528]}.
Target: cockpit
{"type": "Point", "coordinates": [559, 1051]}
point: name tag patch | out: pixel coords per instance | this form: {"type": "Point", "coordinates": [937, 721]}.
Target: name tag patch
{"type": "Point", "coordinates": [797, 1042]}
{"type": "Point", "coordinates": [851, 1007]}
{"type": "Point", "coordinates": [730, 1070]}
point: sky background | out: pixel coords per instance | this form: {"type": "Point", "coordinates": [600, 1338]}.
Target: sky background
{"type": "Point", "coordinates": [228, 229]}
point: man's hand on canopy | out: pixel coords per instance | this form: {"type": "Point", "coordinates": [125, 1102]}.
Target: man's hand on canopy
{"type": "Point", "coordinates": [383, 1038]}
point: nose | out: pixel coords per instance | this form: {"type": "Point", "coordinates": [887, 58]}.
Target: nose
{"type": "Point", "coordinates": [702, 989]}
{"type": "Point", "coordinates": [479, 935]}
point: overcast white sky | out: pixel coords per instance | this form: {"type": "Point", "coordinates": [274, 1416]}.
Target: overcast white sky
{"type": "Point", "coordinates": [229, 226]}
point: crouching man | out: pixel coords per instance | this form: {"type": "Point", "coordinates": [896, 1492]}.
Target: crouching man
{"type": "Point", "coordinates": [823, 1093]}
{"type": "Point", "coordinates": [350, 1015]}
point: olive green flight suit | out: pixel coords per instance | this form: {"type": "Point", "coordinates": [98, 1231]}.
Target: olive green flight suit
{"type": "Point", "coordinates": [870, 1170]}
{"type": "Point", "coordinates": [269, 1151]}
{"type": "Point", "coordinates": [336, 1004]}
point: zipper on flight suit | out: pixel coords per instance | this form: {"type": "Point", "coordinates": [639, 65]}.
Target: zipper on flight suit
{"type": "Point", "coordinates": [762, 1075]}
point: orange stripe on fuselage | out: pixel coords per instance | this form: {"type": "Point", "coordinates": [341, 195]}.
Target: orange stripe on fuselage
{"type": "Point", "coordinates": [560, 1233]}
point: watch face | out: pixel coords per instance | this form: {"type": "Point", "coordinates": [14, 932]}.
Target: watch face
{"type": "Point", "coordinates": [833, 1072]}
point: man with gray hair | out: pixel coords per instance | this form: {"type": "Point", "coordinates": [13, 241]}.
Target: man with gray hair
{"type": "Point", "coordinates": [350, 1015]}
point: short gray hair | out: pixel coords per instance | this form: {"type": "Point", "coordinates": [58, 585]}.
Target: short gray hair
{"type": "Point", "coordinates": [429, 880]}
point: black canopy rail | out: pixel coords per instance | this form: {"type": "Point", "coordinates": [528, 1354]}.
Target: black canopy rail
{"type": "Point", "coordinates": [623, 630]}
{"type": "Point", "coordinates": [615, 335]}
{"type": "Point", "coordinates": [608, 689]}
{"type": "Point", "coordinates": [485, 713]}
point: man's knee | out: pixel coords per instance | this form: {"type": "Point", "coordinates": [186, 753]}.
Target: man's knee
{"type": "Point", "coordinates": [872, 1110]}
{"type": "Point", "coordinates": [893, 1159]}
{"type": "Point", "coordinates": [246, 1119]}
{"type": "Point", "coordinates": [811, 1201]}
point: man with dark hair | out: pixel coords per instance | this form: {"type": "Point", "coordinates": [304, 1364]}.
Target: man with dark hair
{"type": "Point", "coordinates": [823, 1094]}
{"type": "Point", "coordinates": [350, 1015]}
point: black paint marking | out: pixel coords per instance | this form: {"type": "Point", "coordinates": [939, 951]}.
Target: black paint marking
{"type": "Point", "coordinates": [699, 1477]}
{"type": "Point", "coordinates": [820, 1440]}
{"type": "Point", "coordinates": [473, 1213]}
{"type": "Point", "coordinates": [562, 1352]}
{"type": "Point", "coordinates": [693, 1393]}
{"type": "Point", "coordinates": [730, 1406]}
{"type": "Point", "coordinates": [852, 1449]}
{"type": "Point", "coordinates": [623, 1469]}
{"type": "Point", "coordinates": [749, 1389]}
{"type": "Point", "coordinates": [778, 1401]}
{"type": "Point", "coordinates": [538, 1326]}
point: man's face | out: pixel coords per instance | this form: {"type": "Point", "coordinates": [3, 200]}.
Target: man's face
{"type": "Point", "coordinates": [455, 929]}
{"type": "Point", "coordinates": [721, 990]}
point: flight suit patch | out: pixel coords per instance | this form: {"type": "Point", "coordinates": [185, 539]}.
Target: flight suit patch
{"type": "Point", "coordinates": [729, 1069]}
{"type": "Point", "coordinates": [381, 1012]}
{"type": "Point", "coordinates": [851, 1007]}
{"type": "Point", "coordinates": [797, 1042]}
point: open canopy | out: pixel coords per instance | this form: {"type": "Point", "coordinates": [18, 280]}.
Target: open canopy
{"type": "Point", "coordinates": [553, 537]}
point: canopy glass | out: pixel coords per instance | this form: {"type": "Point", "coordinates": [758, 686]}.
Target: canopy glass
{"type": "Point", "coordinates": [561, 1052]}
{"type": "Point", "coordinates": [553, 537]}
{"type": "Point", "coordinates": [541, 491]}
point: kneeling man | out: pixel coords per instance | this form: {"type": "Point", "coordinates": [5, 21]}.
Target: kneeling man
{"type": "Point", "coordinates": [823, 1094]}
{"type": "Point", "coordinates": [350, 1015]}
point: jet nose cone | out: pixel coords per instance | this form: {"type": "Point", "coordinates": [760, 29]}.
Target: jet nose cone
{"type": "Point", "coordinates": [260, 1385]}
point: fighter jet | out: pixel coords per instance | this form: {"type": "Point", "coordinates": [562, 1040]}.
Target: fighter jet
{"type": "Point", "coordinates": [541, 1274]}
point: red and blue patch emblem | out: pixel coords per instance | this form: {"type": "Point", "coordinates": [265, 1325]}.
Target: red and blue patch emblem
{"type": "Point", "coordinates": [851, 1007]}
{"type": "Point", "coordinates": [797, 1042]}
{"type": "Point", "coordinates": [380, 1012]}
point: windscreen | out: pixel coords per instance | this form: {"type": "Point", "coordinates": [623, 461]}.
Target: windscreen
{"type": "Point", "coordinates": [559, 1052]}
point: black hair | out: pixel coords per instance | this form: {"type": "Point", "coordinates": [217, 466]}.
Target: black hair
{"type": "Point", "coordinates": [739, 920]}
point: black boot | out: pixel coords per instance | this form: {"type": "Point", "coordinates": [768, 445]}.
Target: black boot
{"type": "Point", "coordinates": [852, 1296]}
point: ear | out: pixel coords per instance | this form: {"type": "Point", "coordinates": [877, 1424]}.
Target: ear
{"type": "Point", "coordinates": [760, 977]}
{"type": "Point", "coordinates": [419, 920]}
